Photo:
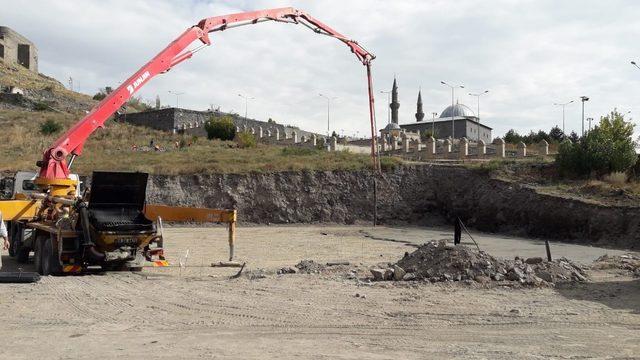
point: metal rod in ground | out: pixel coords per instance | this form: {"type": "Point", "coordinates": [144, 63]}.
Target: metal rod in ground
{"type": "Point", "coordinates": [457, 232]}
{"type": "Point", "coordinates": [546, 245]}
{"type": "Point", "coordinates": [468, 233]}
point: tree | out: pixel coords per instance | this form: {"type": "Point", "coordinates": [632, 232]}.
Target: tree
{"type": "Point", "coordinates": [607, 148]}
{"type": "Point", "coordinates": [221, 128]}
{"type": "Point", "coordinates": [334, 134]}
{"type": "Point", "coordinates": [512, 137]}
{"type": "Point", "coordinates": [425, 134]}
{"type": "Point", "coordinates": [556, 134]}
{"type": "Point", "coordinates": [574, 137]}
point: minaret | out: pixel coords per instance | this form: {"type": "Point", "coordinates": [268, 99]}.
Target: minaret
{"type": "Point", "coordinates": [419, 112]}
{"type": "Point", "coordinates": [395, 105]}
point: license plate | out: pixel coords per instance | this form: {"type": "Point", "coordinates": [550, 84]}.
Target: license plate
{"type": "Point", "coordinates": [126, 242]}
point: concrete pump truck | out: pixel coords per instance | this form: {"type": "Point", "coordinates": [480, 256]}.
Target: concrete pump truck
{"type": "Point", "coordinates": [110, 224]}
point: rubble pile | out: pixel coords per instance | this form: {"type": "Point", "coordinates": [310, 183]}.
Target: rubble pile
{"type": "Point", "coordinates": [438, 261]}
{"type": "Point", "coordinates": [627, 262]}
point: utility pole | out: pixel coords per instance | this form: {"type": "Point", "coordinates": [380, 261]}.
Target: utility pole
{"type": "Point", "coordinates": [328, 109]}
{"type": "Point", "coordinates": [563, 105]}
{"type": "Point", "coordinates": [589, 120]}
{"type": "Point", "coordinates": [584, 99]}
{"type": "Point", "coordinates": [453, 122]}
{"type": "Point", "coordinates": [177, 94]}
{"type": "Point", "coordinates": [478, 95]}
{"type": "Point", "coordinates": [246, 104]}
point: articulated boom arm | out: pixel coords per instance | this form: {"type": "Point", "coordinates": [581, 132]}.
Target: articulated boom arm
{"type": "Point", "coordinates": [54, 163]}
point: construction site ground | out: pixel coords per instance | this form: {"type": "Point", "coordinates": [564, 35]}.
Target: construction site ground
{"type": "Point", "coordinates": [200, 312]}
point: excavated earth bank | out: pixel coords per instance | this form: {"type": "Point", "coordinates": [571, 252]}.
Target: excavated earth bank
{"type": "Point", "coordinates": [417, 195]}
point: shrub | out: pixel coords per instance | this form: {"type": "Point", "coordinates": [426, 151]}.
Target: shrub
{"type": "Point", "coordinates": [40, 106]}
{"type": "Point", "coordinates": [246, 140]}
{"type": "Point", "coordinates": [99, 96]}
{"type": "Point", "coordinates": [50, 127]}
{"type": "Point", "coordinates": [606, 149]}
{"type": "Point", "coordinates": [221, 128]}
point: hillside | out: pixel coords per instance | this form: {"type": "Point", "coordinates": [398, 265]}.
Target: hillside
{"type": "Point", "coordinates": [112, 148]}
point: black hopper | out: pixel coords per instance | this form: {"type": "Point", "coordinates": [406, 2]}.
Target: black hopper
{"type": "Point", "coordinates": [116, 201]}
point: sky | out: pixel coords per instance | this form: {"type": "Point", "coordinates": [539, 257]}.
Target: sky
{"type": "Point", "coordinates": [529, 54]}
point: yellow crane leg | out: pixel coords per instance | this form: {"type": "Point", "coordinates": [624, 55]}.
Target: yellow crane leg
{"type": "Point", "coordinates": [197, 215]}
{"type": "Point", "coordinates": [14, 210]}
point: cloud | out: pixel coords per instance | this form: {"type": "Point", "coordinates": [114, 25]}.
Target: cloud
{"type": "Point", "coordinates": [529, 54]}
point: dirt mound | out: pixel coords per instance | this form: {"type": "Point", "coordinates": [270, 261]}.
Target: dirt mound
{"type": "Point", "coordinates": [627, 262]}
{"type": "Point", "coordinates": [439, 261]}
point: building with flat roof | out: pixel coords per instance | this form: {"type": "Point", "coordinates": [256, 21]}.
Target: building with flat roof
{"type": "Point", "coordinates": [17, 49]}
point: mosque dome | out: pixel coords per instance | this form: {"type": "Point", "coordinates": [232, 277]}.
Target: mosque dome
{"type": "Point", "coordinates": [457, 110]}
{"type": "Point", "coordinates": [392, 126]}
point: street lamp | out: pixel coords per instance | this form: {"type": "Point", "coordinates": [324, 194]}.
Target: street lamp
{"type": "Point", "coordinates": [478, 96]}
{"type": "Point", "coordinates": [177, 94]}
{"type": "Point", "coordinates": [634, 64]}
{"type": "Point", "coordinates": [388, 105]}
{"type": "Point", "coordinates": [563, 105]}
{"type": "Point", "coordinates": [584, 99]}
{"type": "Point", "coordinates": [246, 104]}
{"type": "Point", "coordinates": [328, 108]}
{"type": "Point", "coordinates": [453, 123]}
{"type": "Point", "coordinates": [433, 124]}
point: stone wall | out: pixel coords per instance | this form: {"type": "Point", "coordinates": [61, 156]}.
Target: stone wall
{"type": "Point", "coordinates": [420, 195]}
{"type": "Point", "coordinates": [192, 122]}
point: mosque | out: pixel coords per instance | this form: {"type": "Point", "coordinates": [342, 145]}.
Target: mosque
{"type": "Point", "coordinates": [455, 121]}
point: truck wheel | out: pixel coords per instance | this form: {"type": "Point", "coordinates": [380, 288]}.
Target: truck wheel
{"type": "Point", "coordinates": [50, 260]}
{"type": "Point", "coordinates": [22, 256]}
{"type": "Point", "coordinates": [37, 255]}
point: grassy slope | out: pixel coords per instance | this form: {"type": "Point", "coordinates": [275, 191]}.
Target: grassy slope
{"type": "Point", "coordinates": [22, 144]}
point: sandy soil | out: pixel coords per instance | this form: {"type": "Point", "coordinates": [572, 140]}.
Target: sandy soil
{"type": "Point", "coordinates": [199, 312]}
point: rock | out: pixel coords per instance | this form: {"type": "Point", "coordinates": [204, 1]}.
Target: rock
{"type": "Point", "coordinates": [498, 277]}
{"type": "Point", "coordinates": [514, 311]}
{"type": "Point", "coordinates": [378, 274]}
{"type": "Point", "coordinates": [287, 270]}
{"type": "Point", "coordinates": [534, 260]}
{"type": "Point", "coordinates": [482, 279]}
{"type": "Point", "coordinates": [388, 274]}
{"type": "Point", "coordinates": [398, 273]}
{"type": "Point", "coordinates": [545, 275]}
{"type": "Point", "coordinates": [409, 277]}
{"type": "Point", "coordinates": [515, 274]}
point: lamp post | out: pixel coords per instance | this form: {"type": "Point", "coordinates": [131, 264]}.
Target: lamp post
{"type": "Point", "coordinates": [388, 105]}
{"type": "Point", "coordinates": [478, 124]}
{"type": "Point", "coordinates": [246, 104]}
{"type": "Point", "coordinates": [328, 108]}
{"type": "Point", "coordinates": [453, 123]}
{"type": "Point", "coordinates": [433, 124]}
{"type": "Point", "coordinates": [563, 106]}
{"type": "Point", "coordinates": [584, 99]}
{"type": "Point", "coordinates": [177, 94]}
{"type": "Point", "coordinates": [634, 64]}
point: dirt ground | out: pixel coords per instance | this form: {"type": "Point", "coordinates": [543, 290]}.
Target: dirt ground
{"type": "Point", "coordinates": [199, 312]}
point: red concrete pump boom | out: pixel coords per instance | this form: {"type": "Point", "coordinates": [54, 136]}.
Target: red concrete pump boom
{"type": "Point", "coordinates": [54, 163]}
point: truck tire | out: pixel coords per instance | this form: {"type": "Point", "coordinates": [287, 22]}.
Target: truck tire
{"type": "Point", "coordinates": [37, 254]}
{"type": "Point", "coordinates": [50, 260]}
{"type": "Point", "coordinates": [16, 239]}
{"type": "Point", "coordinates": [22, 257]}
